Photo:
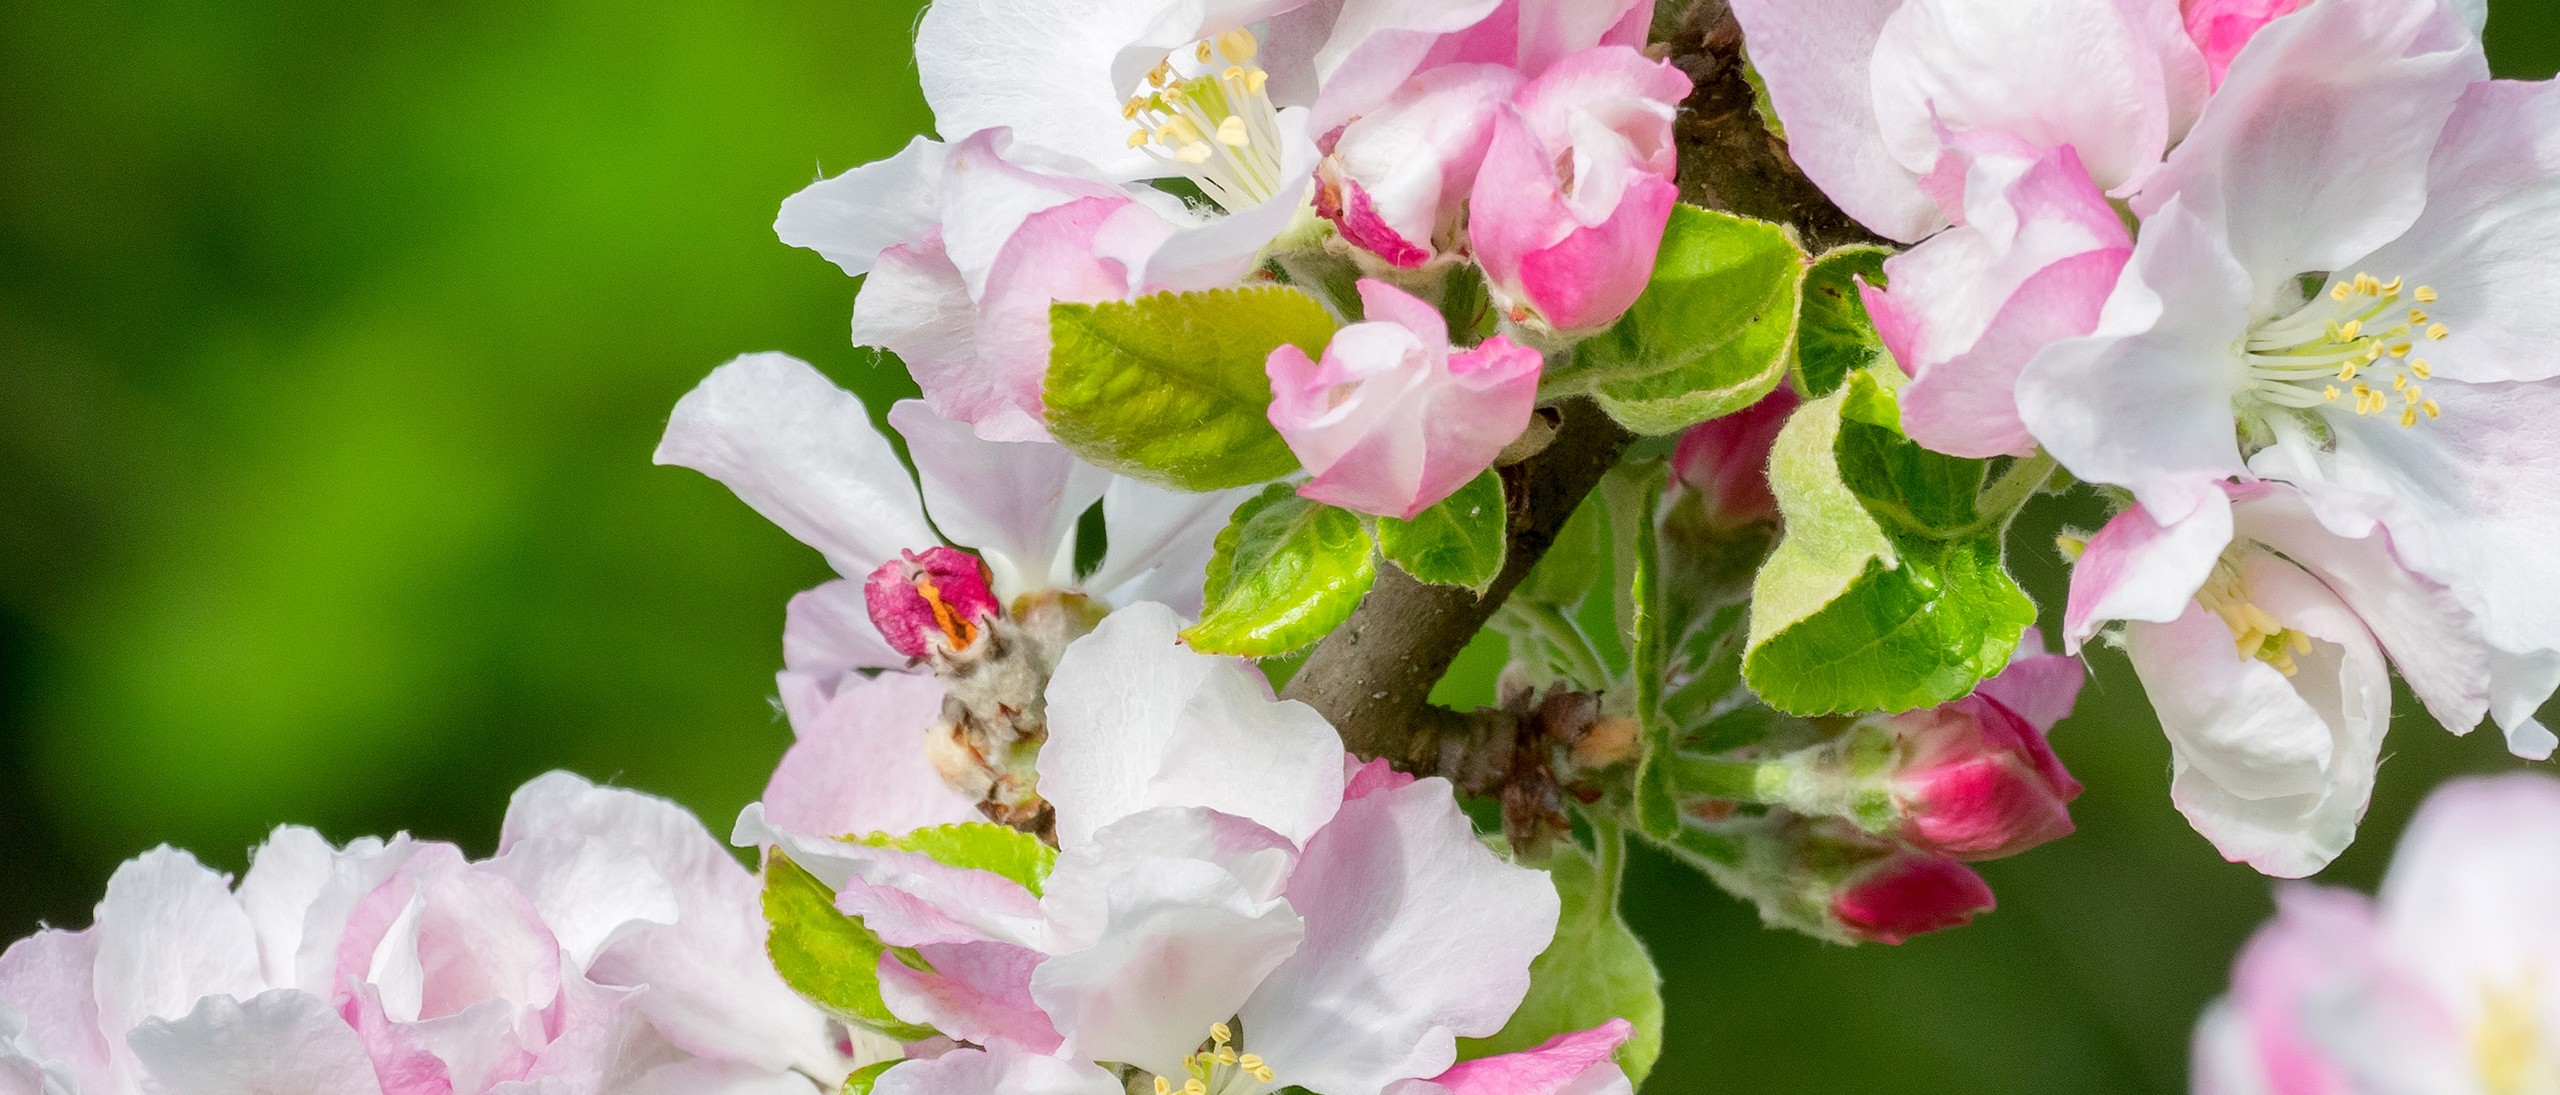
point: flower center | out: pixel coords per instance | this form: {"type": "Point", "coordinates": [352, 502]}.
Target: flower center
{"type": "Point", "coordinates": [2253, 631]}
{"type": "Point", "coordinates": [1215, 125]}
{"type": "Point", "coordinates": [2508, 1048]}
{"type": "Point", "coordinates": [2352, 349]}
{"type": "Point", "coordinates": [1220, 1068]}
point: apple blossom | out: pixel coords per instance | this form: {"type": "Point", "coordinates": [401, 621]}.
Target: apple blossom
{"type": "Point", "coordinates": [2252, 335]}
{"type": "Point", "coordinates": [1724, 462]}
{"type": "Point", "coordinates": [2442, 985]}
{"type": "Point", "coordinates": [1393, 419]}
{"type": "Point", "coordinates": [1865, 88]}
{"type": "Point", "coordinates": [1907, 894]}
{"type": "Point", "coordinates": [2263, 647]}
{"type": "Point", "coordinates": [611, 945]}
{"type": "Point", "coordinates": [1569, 205]}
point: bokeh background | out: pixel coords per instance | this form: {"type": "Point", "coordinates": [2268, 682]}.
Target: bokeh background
{"type": "Point", "coordinates": [334, 339]}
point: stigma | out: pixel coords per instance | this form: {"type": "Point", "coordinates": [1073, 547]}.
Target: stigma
{"type": "Point", "coordinates": [2255, 633]}
{"type": "Point", "coordinates": [2353, 348]}
{"type": "Point", "coordinates": [1211, 120]}
{"type": "Point", "coordinates": [1221, 1067]}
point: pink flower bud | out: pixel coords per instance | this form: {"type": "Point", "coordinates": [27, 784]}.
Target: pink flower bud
{"type": "Point", "coordinates": [936, 600]}
{"type": "Point", "coordinates": [1392, 421]}
{"type": "Point", "coordinates": [1976, 781]}
{"type": "Point", "coordinates": [1907, 894]}
{"type": "Point", "coordinates": [1725, 461]}
{"type": "Point", "coordinates": [1569, 205]}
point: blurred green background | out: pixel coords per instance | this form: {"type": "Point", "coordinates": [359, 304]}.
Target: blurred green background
{"type": "Point", "coordinates": [334, 339]}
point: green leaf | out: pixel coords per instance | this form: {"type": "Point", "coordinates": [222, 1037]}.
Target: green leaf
{"type": "Point", "coordinates": [824, 955]}
{"type": "Point", "coordinates": [1458, 542]}
{"type": "Point", "coordinates": [863, 1078]}
{"type": "Point", "coordinates": [1710, 334]}
{"type": "Point", "coordinates": [1287, 571]}
{"type": "Point", "coordinates": [979, 846]}
{"type": "Point", "coordinates": [1886, 594]}
{"type": "Point", "coordinates": [1595, 970]}
{"type": "Point", "coordinates": [1171, 389]}
{"type": "Point", "coordinates": [1836, 338]}
{"type": "Point", "coordinates": [1632, 505]}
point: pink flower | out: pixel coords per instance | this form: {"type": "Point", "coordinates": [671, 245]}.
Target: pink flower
{"type": "Point", "coordinates": [937, 599]}
{"type": "Point", "coordinates": [1568, 208]}
{"type": "Point", "coordinates": [2221, 27]}
{"type": "Point", "coordinates": [1397, 179]}
{"type": "Point", "coordinates": [1572, 1063]}
{"type": "Point", "coordinates": [2441, 985]}
{"type": "Point", "coordinates": [2033, 255]}
{"type": "Point", "coordinates": [1391, 420]}
{"type": "Point", "coordinates": [1907, 894]}
{"type": "Point", "coordinates": [1977, 781]}
{"type": "Point", "coordinates": [1725, 461]}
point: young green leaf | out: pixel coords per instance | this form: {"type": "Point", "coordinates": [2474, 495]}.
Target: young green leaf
{"type": "Point", "coordinates": [1836, 338]}
{"type": "Point", "coordinates": [1171, 389]}
{"type": "Point", "coordinates": [981, 846]}
{"type": "Point", "coordinates": [1709, 336]}
{"type": "Point", "coordinates": [1885, 594]}
{"type": "Point", "coordinates": [1595, 970]}
{"type": "Point", "coordinates": [1287, 571]}
{"type": "Point", "coordinates": [824, 955]}
{"type": "Point", "coordinates": [1459, 542]}
{"type": "Point", "coordinates": [865, 1078]}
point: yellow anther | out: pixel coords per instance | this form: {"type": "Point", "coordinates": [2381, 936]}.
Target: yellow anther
{"type": "Point", "coordinates": [2431, 408]}
{"type": "Point", "coordinates": [2437, 331]}
{"type": "Point", "coordinates": [2072, 547]}
{"type": "Point", "coordinates": [2402, 350]}
{"type": "Point", "coordinates": [1138, 139]}
{"type": "Point", "coordinates": [1161, 74]}
{"type": "Point", "coordinates": [2417, 315]}
{"type": "Point", "coordinates": [2408, 418]}
{"type": "Point", "coordinates": [1193, 1086]}
{"type": "Point", "coordinates": [2414, 393]}
{"type": "Point", "coordinates": [2373, 352]}
{"type": "Point", "coordinates": [2349, 331]}
{"type": "Point", "coordinates": [1252, 1062]}
{"type": "Point", "coordinates": [2330, 393]}
{"type": "Point", "coordinates": [2426, 294]}
{"type": "Point", "coordinates": [2340, 292]}
{"type": "Point", "coordinates": [2399, 383]}
{"type": "Point", "coordinates": [1231, 133]}
{"type": "Point", "coordinates": [1255, 80]}
{"type": "Point", "coordinates": [1238, 45]}
{"type": "Point", "coordinates": [1164, 1086]}
{"type": "Point", "coordinates": [1202, 53]}
{"type": "Point", "coordinates": [1226, 1055]}
{"type": "Point", "coordinates": [2420, 367]}
{"type": "Point", "coordinates": [1262, 1074]}
{"type": "Point", "coordinates": [1221, 1033]}
{"type": "Point", "coordinates": [2370, 285]}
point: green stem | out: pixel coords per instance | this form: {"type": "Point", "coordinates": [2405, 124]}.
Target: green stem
{"type": "Point", "coordinates": [1608, 870]}
{"type": "Point", "coordinates": [1588, 668]}
{"type": "Point", "coordinates": [1763, 783]}
{"type": "Point", "coordinates": [2006, 495]}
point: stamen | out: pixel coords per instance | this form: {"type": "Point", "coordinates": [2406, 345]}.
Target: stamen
{"type": "Point", "coordinates": [1215, 125]}
{"type": "Point", "coordinates": [2321, 352]}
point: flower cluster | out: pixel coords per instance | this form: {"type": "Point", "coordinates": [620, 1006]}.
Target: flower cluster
{"type": "Point", "coordinates": [612, 945]}
{"type": "Point", "coordinates": [2275, 273]}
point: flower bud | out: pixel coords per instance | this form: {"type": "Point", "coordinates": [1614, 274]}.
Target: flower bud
{"type": "Point", "coordinates": [1724, 462]}
{"type": "Point", "coordinates": [937, 600]}
{"type": "Point", "coordinates": [1976, 781]}
{"type": "Point", "coordinates": [1907, 894]}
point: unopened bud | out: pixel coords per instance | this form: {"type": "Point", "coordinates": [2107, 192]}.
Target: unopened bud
{"type": "Point", "coordinates": [1725, 461]}
{"type": "Point", "coordinates": [1907, 894]}
{"type": "Point", "coordinates": [1973, 780]}
{"type": "Point", "coordinates": [937, 600]}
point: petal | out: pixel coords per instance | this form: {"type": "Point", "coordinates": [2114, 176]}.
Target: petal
{"type": "Point", "coordinates": [2471, 886]}
{"type": "Point", "coordinates": [910, 899]}
{"type": "Point", "coordinates": [1052, 258]}
{"type": "Point", "coordinates": [2038, 687]}
{"type": "Point", "coordinates": [1417, 934]}
{"type": "Point", "coordinates": [1017, 503]}
{"type": "Point", "coordinates": [169, 933]}
{"type": "Point", "coordinates": [286, 875]}
{"type": "Point", "coordinates": [855, 216]}
{"type": "Point", "coordinates": [859, 763]}
{"type": "Point", "coordinates": [1183, 946]}
{"type": "Point", "coordinates": [1573, 1063]}
{"type": "Point", "coordinates": [1411, 162]}
{"type": "Point", "coordinates": [1042, 69]}
{"type": "Point", "coordinates": [1137, 720]}
{"type": "Point", "coordinates": [710, 988]}
{"type": "Point", "coordinates": [917, 305]}
{"type": "Point", "coordinates": [49, 979]}
{"type": "Point", "coordinates": [2487, 239]}
{"type": "Point", "coordinates": [280, 1041]}
{"type": "Point", "coordinates": [2134, 569]}
{"type": "Point", "coordinates": [590, 895]}
{"type": "Point", "coordinates": [827, 632]}
{"type": "Point", "coordinates": [803, 453]}
{"type": "Point", "coordinates": [981, 1071]}
{"type": "Point", "coordinates": [2145, 401]}
{"type": "Point", "coordinates": [1817, 60]}
{"type": "Point", "coordinates": [2332, 1006]}
{"type": "Point", "coordinates": [1345, 57]}
{"type": "Point", "coordinates": [975, 992]}
{"type": "Point", "coordinates": [1160, 542]}
{"type": "Point", "coordinates": [1217, 251]}
{"type": "Point", "coordinates": [1077, 895]}
{"type": "Point", "coordinates": [2313, 153]}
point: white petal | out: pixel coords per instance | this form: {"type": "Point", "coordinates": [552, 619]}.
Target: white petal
{"type": "Point", "coordinates": [1344, 57]}
{"type": "Point", "coordinates": [1039, 67]}
{"type": "Point", "coordinates": [2472, 886]}
{"type": "Point", "coordinates": [803, 453]}
{"type": "Point", "coordinates": [1220, 250]}
{"type": "Point", "coordinates": [2145, 401]}
{"type": "Point", "coordinates": [1077, 895]}
{"type": "Point", "coordinates": [2134, 569]}
{"type": "Point", "coordinates": [169, 933]}
{"type": "Point", "coordinates": [710, 988]}
{"type": "Point", "coordinates": [590, 894]}
{"type": "Point", "coordinates": [286, 875]}
{"type": "Point", "coordinates": [855, 216]}
{"type": "Point", "coordinates": [1816, 60]}
{"type": "Point", "coordinates": [916, 305]}
{"type": "Point", "coordinates": [1183, 947]}
{"type": "Point", "coordinates": [859, 766]}
{"type": "Point", "coordinates": [49, 981]}
{"type": "Point", "coordinates": [2060, 72]}
{"type": "Point", "coordinates": [1137, 720]}
{"type": "Point", "coordinates": [1417, 934]}
{"type": "Point", "coordinates": [276, 1043]}
{"type": "Point", "coordinates": [2489, 241]}
{"type": "Point", "coordinates": [1017, 503]}
{"type": "Point", "coordinates": [827, 632]}
{"type": "Point", "coordinates": [984, 1072]}
{"type": "Point", "coordinates": [1160, 542]}
{"type": "Point", "coordinates": [2313, 151]}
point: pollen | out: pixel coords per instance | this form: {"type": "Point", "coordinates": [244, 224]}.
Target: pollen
{"type": "Point", "coordinates": [2255, 633]}
{"type": "Point", "coordinates": [2323, 351]}
{"type": "Point", "coordinates": [1210, 119]}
